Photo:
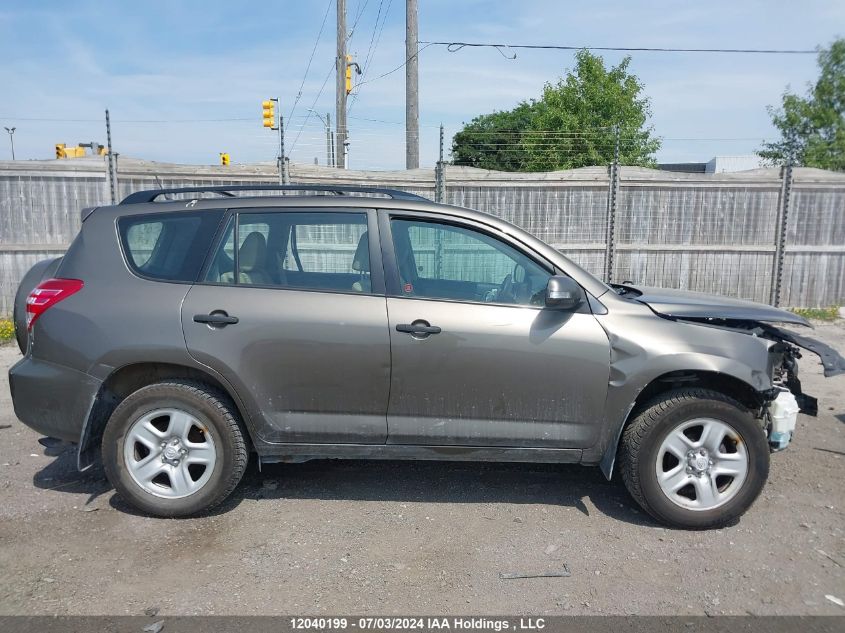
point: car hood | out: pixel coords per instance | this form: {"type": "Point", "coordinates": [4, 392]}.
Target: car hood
{"type": "Point", "coordinates": [695, 305]}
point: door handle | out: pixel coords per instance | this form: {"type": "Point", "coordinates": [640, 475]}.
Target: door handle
{"type": "Point", "coordinates": [216, 318]}
{"type": "Point", "coordinates": [418, 327]}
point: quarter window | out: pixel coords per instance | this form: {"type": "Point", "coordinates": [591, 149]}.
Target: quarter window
{"type": "Point", "coordinates": [443, 261]}
{"type": "Point", "coordinates": [315, 251]}
{"type": "Point", "coordinates": [168, 246]}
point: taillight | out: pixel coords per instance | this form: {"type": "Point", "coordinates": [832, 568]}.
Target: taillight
{"type": "Point", "coordinates": [47, 294]}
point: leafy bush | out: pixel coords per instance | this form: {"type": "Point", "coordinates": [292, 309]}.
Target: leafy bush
{"type": "Point", "coordinates": [7, 330]}
{"type": "Point", "coordinates": [823, 314]}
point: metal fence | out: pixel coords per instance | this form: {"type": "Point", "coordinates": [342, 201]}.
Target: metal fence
{"type": "Point", "coordinates": [773, 235]}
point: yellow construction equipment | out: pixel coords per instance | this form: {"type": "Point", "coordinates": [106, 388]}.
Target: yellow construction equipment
{"type": "Point", "coordinates": [63, 151]}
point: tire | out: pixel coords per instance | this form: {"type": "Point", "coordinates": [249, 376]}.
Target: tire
{"type": "Point", "coordinates": [694, 493]}
{"type": "Point", "coordinates": [199, 427]}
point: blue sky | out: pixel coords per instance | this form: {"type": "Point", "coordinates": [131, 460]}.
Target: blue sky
{"type": "Point", "coordinates": [165, 68]}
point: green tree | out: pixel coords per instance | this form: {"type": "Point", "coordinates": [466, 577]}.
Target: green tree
{"type": "Point", "coordinates": [571, 125]}
{"type": "Point", "coordinates": [494, 141]}
{"type": "Point", "coordinates": [812, 128]}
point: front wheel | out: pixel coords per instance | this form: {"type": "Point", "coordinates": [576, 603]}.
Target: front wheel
{"type": "Point", "coordinates": [174, 448]}
{"type": "Point", "coordinates": [694, 459]}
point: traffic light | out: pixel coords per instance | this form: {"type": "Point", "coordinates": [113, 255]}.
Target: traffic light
{"type": "Point", "coordinates": [60, 150]}
{"type": "Point", "coordinates": [269, 113]}
{"type": "Point", "coordinates": [224, 159]}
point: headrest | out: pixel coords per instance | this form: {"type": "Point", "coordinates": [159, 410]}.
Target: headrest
{"type": "Point", "coordinates": [252, 251]}
{"type": "Point", "coordinates": [361, 261]}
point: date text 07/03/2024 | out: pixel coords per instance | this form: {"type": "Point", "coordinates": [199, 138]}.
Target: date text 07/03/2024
{"type": "Point", "coordinates": [418, 623]}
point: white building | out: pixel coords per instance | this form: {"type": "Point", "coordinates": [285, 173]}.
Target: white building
{"type": "Point", "coordinates": [723, 164]}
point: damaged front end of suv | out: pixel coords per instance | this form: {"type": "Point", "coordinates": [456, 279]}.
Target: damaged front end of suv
{"type": "Point", "coordinates": [780, 404]}
{"type": "Point", "coordinates": [701, 390]}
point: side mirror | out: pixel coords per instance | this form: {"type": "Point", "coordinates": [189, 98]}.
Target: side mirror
{"type": "Point", "coordinates": [562, 293]}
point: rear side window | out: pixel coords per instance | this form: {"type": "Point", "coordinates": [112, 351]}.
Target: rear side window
{"type": "Point", "coordinates": [321, 250]}
{"type": "Point", "coordinates": [168, 246]}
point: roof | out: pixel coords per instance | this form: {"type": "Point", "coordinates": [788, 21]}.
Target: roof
{"type": "Point", "coordinates": [226, 191]}
{"type": "Point", "coordinates": [394, 200]}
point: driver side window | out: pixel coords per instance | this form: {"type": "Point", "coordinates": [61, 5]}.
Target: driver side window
{"type": "Point", "coordinates": [444, 261]}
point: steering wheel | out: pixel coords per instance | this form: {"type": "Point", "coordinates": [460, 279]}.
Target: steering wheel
{"type": "Point", "coordinates": [505, 293]}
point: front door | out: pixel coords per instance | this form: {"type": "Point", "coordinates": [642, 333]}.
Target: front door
{"type": "Point", "coordinates": [477, 358]}
{"type": "Point", "coordinates": [296, 321]}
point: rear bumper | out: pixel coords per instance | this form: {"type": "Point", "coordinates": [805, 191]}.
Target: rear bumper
{"type": "Point", "coordinates": [52, 399]}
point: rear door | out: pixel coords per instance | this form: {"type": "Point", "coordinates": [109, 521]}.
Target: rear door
{"type": "Point", "coordinates": [295, 319]}
{"type": "Point", "coordinates": [477, 358]}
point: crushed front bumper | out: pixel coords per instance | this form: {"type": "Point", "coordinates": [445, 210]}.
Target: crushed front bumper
{"type": "Point", "coordinates": [832, 361]}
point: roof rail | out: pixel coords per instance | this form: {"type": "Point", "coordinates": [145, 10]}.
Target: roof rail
{"type": "Point", "coordinates": [150, 195]}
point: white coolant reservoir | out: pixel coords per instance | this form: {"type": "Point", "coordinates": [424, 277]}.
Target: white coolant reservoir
{"type": "Point", "coordinates": [784, 413]}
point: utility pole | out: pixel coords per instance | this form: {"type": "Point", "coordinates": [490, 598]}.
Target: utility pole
{"type": "Point", "coordinates": [327, 122]}
{"type": "Point", "coordinates": [329, 143]}
{"type": "Point", "coordinates": [412, 97]}
{"type": "Point", "coordinates": [11, 132]}
{"type": "Point", "coordinates": [612, 202]}
{"type": "Point", "coordinates": [440, 173]}
{"type": "Point", "coordinates": [283, 179]}
{"type": "Point", "coordinates": [340, 97]}
{"type": "Point", "coordinates": [110, 162]}
{"type": "Point", "coordinates": [780, 236]}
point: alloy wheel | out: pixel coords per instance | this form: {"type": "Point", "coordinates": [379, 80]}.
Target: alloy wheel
{"type": "Point", "coordinates": [702, 464]}
{"type": "Point", "coordinates": [169, 453]}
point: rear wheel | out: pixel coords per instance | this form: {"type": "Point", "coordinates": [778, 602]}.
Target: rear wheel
{"type": "Point", "coordinates": [694, 458]}
{"type": "Point", "coordinates": [174, 448]}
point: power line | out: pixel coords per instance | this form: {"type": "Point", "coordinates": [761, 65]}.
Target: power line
{"type": "Point", "coordinates": [182, 120]}
{"type": "Point", "coordinates": [310, 59]}
{"type": "Point", "coordinates": [454, 47]}
{"type": "Point", "coordinates": [513, 135]}
{"type": "Point", "coordinates": [357, 17]}
{"type": "Point", "coordinates": [371, 50]}
{"type": "Point", "coordinates": [323, 87]}
{"type": "Point", "coordinates": [367, 56]}
{"type": "Point", "coordinates": [399, 67]}
{"type": "Point", "coordinates": [52, 120]}
{"type": "Point", "coordinates": [360, 118]}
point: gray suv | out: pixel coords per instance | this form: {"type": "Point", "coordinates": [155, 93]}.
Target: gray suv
{"type": "Point", "coordinates": [185, 329]}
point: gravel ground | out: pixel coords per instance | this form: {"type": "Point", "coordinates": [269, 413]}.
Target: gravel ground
{"type": "Point", "coordinates": [329, 537]}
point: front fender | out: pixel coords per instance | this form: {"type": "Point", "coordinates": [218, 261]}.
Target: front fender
{"type": "Point", "coordinates": [645, 347]}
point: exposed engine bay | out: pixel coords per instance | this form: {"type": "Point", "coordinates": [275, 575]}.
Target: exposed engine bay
{"type": "Point", "coordinates": [782, 403]}
{"type": "Point", "coordinates": [786, 399]}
